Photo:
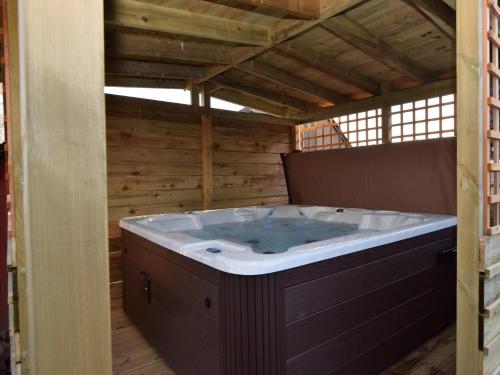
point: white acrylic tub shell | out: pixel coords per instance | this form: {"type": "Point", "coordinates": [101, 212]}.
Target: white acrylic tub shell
{"type": "Point", "coordinates": [376, 228]}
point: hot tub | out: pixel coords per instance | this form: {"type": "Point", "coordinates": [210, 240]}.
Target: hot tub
{"type": "Point", "coordinates": [288, 289]}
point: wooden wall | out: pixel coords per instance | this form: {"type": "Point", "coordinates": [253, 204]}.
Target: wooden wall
{"type": "Point", "coordinates": [154, 162]}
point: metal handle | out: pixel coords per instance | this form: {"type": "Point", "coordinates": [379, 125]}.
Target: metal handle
{"type": "Point", "coordinates": [146, 286]}
{"type": "Point", "coordinates": [208, 303]}
{"type": "Point", "coordinates": [447, 253]}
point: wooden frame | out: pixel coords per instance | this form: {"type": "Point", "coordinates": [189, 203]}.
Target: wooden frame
{"type": "Point", "coordinates": [57, 145]}
{"type": "Point", "coordinates": [469, 182]}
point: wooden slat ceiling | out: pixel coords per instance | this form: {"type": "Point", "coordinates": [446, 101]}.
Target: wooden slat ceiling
{"type": "Point", "coordinates": [286, 57]}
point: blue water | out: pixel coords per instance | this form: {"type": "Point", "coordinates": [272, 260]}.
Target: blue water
{"type": "Point", "coordinates": [273, 235]}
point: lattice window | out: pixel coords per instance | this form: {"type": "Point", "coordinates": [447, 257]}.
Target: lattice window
{"type": "Point", "coordinates": [492, 122]}
{"type": "Point", "coordinates": [358, 129]}
{"type": "Point", "coordinates": [423, 119]}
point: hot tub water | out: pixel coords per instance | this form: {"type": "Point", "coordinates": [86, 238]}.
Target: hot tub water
{"type": "Point", "coordinates": [273, 235]}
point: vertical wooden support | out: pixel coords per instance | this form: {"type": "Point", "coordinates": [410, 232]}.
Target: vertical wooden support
{"type": "Point", "coordinates": [469, 180]}
{"type": "Point", "coordinates": [207, 149]}
{"type": "Point", "coordinates": [195, 97]}
{"type": "Point", "coordinates": [58, 150]}
{"type": "Point", "coordinates": [386, 114]}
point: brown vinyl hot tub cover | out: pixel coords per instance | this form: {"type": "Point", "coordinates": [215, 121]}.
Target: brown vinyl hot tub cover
{"type": "Point", "coordinates": [409, 177]}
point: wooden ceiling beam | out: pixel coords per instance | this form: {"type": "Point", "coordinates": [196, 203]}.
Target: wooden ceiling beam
{"type": "Point", "coordinates": [393, 98]}
{"type": "Point", "coordinates": [286, 29]}
{"type": "Point", "coordinates": [318, 61]}
{"type": "Point", "coordinates": [284, 79]}
{"type": "Point", "coordinates": [131, 68]}
{"type": "Point", "coordinates": [438, 13]}
{"type": "Point", "coordinates": [278, 98]}
{"type": "Point", "coordinates": [153, 83]}
{"type": "Point", "coordinates": [147, 16]}
{"type": "Point", "coordinates": [375, 47]}
{"type": "Point", "coordinates": [253, 102]}
{"type": "Point", "coordinates": [154, 48]}
{"type": "Point", "coordinates": [308, 9]}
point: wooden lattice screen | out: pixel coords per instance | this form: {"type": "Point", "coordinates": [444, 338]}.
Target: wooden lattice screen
{"type": "Point", "coordinates": [492, 121]}
{"type": "Point", "coordinates": [357, 129]}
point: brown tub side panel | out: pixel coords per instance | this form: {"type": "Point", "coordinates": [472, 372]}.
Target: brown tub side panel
{"type": "Point", "coordinates": [340, 319]}
{"type": "Point", "coordinates": [176, 311]}
{"type": "Point", "coordinates": [252, 325]}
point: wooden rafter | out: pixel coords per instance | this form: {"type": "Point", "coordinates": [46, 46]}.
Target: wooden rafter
{"type": "Point", "coordinates": [284, 79]}
{"type": "Point", "coordinates": [253, 102]}
{"type": "Point", "coordinates": [136, 14]}
{"type": "Point", "coordinates": [309, 9]}
{"type": "Point", "coordinates": [374, 46]}
{"type": "Point", "coordinates": [155, 48]}
{"type": "Point", "coordinates": [438, 13]}
{"type": "Point", "coordinates": [133, 68]}
{"type": "Point", "coordinates": [159, 83]}
{"type": "Point", "coordinates": [285, 30]}
{"type": "Point", "coordinates": [315, 60]}
{"type": "Point", "coordinates": [278, 98]}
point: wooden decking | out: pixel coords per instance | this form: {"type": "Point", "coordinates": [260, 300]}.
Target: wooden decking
{"type": "Point", "coordinates": [133, 356]}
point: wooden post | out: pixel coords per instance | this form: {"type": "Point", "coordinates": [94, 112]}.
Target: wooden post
{"type": "Point", "coordinates": [470, 174]}
{"type": "Point", "coordinates": [207, 148]}
{"type": "Point", "coordinates": [386, 114]}
{"type": "Point", "coordinates": [195, 97]}
{"type": "Point", "coordinates": [57, 142]}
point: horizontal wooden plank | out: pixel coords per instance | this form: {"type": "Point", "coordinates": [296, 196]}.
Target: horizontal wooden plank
{"type": "Point", "coordinates": [251, 146]}
{"type": "Point", "coordinates": [305, 9]}
{"type": "Point", "coordinates": [154, 155]}
{"type": "Point", "coordinates": [250, 181]}
{"type": "Point", "coordinates": [230, 169]}
{"type": "Point", "coordinates": [492, 309]}
{"type": "Point", "coordinates": [491, 328]}
{"type": "Point", "coordinates": [164, 128]}
{"type": "Point", "coordinates": [493, 167]}
{"type": "Point", "coordinates": [493, 134]}
{"type": "Point", "coordinates": [493, 231]}
{"type": "Point", "coordinates": [265, 201]}
{"type": "Point", "coordinates": [125, 185]}
{"type": "Point", "coordinates": [153, 168]}
{"type": "Point", "coordinates": [489, 250]}
{"type": "Point", "coordinates": [249, 192]}
{"type": "Point", "coordinates": [171, 20]}
{"type": "Point", "coordinates": [122, 106]}
{"type": "Point", "coordinates": [155, 198]}
{"type": "Point", "coordinates": [492, 270]}
{"type": "Point", "coordinates": [147, 82]}
{"type": "Point", "coordinates": [133, 68]}
{"type": "Point", "coordinates": [117, 213]}
{"type": "Point", "coordinates": [148, 47]}
{"type": "Point", "coordinates": [492, 69]}
{"type": "Point", "coordinates": [493, 198]}
{"type": "Point", "coordinates": [129, 139]}
{"type": "Point", "coordinates": [494, 102]}
{"type": "Point", "coordinates": [245, 157]}
{"type": "Point", "coordinates": [248, 119]}
{"type": "Point", "coordinates": [263, 135]}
